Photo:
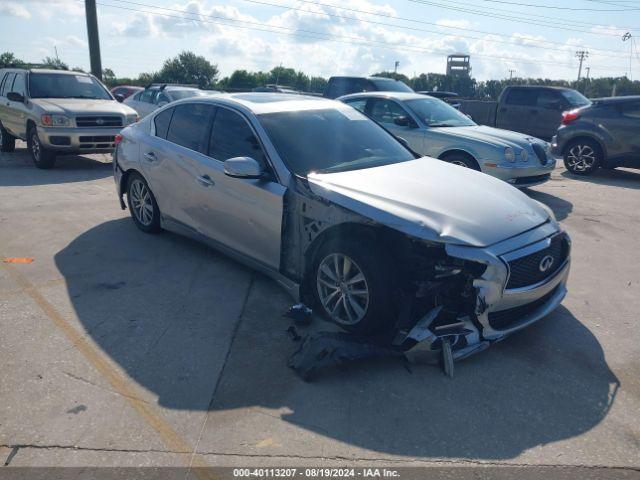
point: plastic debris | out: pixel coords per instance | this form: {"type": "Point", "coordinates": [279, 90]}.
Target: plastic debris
{"type": "Point", "coordinates": [300, 314]}
{"type": "Point", "coordinates": [324, 350]}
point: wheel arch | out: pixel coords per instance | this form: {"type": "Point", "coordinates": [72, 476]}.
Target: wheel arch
{"type": "Point", "coordinates": [582, 137]}
{"type": "Point", "coordinates": [458, 151]}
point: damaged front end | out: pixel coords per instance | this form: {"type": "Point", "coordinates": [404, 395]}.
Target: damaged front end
{"type": "Point", "coordinates": [481, 295]}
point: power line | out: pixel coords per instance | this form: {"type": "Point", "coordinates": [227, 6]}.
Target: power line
{"type": "Point", "coordinates": [553, 7]}
{"type": "Point", "coordinates": [558, 25]}
{"type": "Point", "coordinates": [373, 22]}
{"type": "Point", "coordinates": [312, 34]}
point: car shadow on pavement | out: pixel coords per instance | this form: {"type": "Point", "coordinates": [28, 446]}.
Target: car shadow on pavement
{"type": "Point", "coordinates": [166, 310]}
{"type": "Point", "coordinates": [561, 208]}
{"type": "Point", "coordinates": [624, 178]}
{"type": "Point", "coordinates": [68, 169]}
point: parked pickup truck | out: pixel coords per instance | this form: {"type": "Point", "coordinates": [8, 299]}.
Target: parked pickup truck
{"type": "Point", "coordinates": [58, 112]}
{"type": "Point", "coordinates": [534, 110]}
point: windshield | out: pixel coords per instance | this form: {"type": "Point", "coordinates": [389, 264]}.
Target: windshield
{"type": "Point", "coordinates": [331, 140]}
{"type": "Point", "coordinates": [389, 85]}
{"type": "Point", "coordinates": [436, 113]}
{"type": "Point", "coordinates": [180, 94]}
{"type": "Point", "coordinates": [64, 85]}
{"type": "Point", "coordinates": [576, 99]}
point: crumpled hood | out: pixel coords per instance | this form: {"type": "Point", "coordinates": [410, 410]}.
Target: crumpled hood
{"type": "Point", "coordinates": [490, 135]}
{"type": "Point", "coordinates": [433, 200]}
{"type": "Point", "coordinates": [82, 106]}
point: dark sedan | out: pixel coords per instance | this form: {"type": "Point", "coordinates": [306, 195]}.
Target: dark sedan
{"type": "Point", "coordinates": [604, 134]}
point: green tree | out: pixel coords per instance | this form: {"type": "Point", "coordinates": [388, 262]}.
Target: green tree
{"type": "Point", "coordinates": [188, 68]}
{"type": "Point", "coordinates": [108, 76]}
{"type": "Point", "coordinates": [54, 63]}
{"type": "Point", "coordinates": [8, 59]}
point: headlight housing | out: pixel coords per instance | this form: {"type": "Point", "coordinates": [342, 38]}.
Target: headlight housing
{"type": "Point", "coordinates": [132, 118]}
{"type": "Point", "coordinates": [509, 154]}
{"type": "Point", "coordinates": [55, 120]}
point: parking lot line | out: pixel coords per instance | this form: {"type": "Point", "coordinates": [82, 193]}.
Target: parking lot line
{"type": "Point", "coordinates": [126, 388]}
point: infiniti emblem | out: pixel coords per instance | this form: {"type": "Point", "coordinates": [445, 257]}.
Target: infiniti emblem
{"type": "Point", "coordinates": [100, 121]}
{"type": "Point", "coordinates": [546, 263]}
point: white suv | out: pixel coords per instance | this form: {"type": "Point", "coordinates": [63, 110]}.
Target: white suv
{"type": "Point", "coordinates": [58, 112]}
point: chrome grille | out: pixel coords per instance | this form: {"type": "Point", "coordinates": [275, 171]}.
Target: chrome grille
{"type": "Point", "coordinates": [505, 319]}
{"type": "Point", "coordinates": [99, 121]}
{"type": "Point", "coordinates": [525, 271]}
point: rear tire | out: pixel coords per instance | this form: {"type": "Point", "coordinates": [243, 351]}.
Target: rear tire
{"type": "Point", "coordinates": [42, 158]}
{"type": "Point", "coordinates": [352, 285]}
{"type": "Point", "coordinates": [583, 157]}
{"type": "Point", "coordinates": [142, 204]}
{"type": "Point", "coordinates": [462, 160]}
{"type": "Point", "coordinates": [7, 141]}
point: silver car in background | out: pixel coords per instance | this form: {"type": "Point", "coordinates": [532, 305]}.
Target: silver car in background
{"type": "Point", "coordinates": [156, 96]}
{"type": "Point", "coordinates": [321, 198]}
{"type": "Point", "coordinates": [433, 128]}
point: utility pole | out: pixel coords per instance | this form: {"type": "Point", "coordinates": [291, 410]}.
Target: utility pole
{"type": "Point", "coordinates": [395, 70]}
{"type": "Point", "coordinates": [625, 37]}
{"type": "Point", "coordinates": [588, 69]}
{"type": "Point", "coordinates": [582, 55]}
{"type": "Point", "coordinates": [94, 38]}
{"type": "Point", "coordinates": [511, 72]}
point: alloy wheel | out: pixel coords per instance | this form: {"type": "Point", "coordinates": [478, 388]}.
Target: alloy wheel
{"type": "Point", "coordinates": [141, 202]}
{"type": "Point", "coordinates": [581, 158]}
{"type": "Point", "coordinates": [342, 289]}
{"type": "Point", "coordinates": [35, 146]}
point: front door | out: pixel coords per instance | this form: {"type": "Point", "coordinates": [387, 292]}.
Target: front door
{"type": "Point", "coordinates": [17, 111]}
{"type": "Point", "coordinates": [242, 214]}
{"type": "Point", "coordinates": [626, 128]}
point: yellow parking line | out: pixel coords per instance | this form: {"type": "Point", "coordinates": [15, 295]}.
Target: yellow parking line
{"type": "Point", "coordinates": [124, 386]}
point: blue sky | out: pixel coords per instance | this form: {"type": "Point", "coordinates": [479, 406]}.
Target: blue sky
{"type": "Point", "coordinates": [360, 37]}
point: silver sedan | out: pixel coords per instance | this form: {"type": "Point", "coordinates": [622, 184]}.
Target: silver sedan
{"type": "Point", "coordinates": [342, 214]}
{"type": "Point", "coordinates": [433, 128]}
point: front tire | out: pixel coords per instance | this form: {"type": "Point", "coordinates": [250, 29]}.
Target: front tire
{"type": "Point", "coordinates": [42, 158]}
{"type": "Point", "coordinates": [7, 141]}
{"type": "Point", "coordinates": [353, 286]}
{"type": "Point", "coordinates": [462, 161]}
{"type": "Point", "coordinates": [582, 157]}
{"type": "Point", "coordinates": [142, 204]}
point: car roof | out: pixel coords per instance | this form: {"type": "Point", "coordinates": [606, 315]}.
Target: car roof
{"type": "Point", "coordinates": [44, 70]}
{"type": "Point", "coordinates": [267, 102]}
{"type": "Point", "coordinates": [550, 87]}
{"type": "Point", "coordinates": [402, 96]}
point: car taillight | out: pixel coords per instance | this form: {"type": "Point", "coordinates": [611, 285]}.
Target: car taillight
{"type": "Point", "coordinates": [118, 139]}
{"type": "Point", "coordinates": [570, 116]}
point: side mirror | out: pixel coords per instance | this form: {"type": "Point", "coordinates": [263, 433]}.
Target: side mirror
{"type": "Point", "coordinates": [402, 121]}
{"type": "Point", "coordinates": [119, 97]}
{"type": "Point", "coordinates": [243, 167]}
{"type": "Point", "coordinates": [15, 97]}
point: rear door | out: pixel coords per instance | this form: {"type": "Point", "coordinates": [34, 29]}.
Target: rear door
{"type": "Point", "coordinates": [170, 157]}
{"type": "Point", "coordinates": [386, 112]}
{"type": "Point", "coordinates": [242, 214]}
{"type": "Point", "coordinates": [514, 113]}
{"type": "Point", "coordinates": [5, 105]}
{"type": "Point", "coordinates": [547, 113]}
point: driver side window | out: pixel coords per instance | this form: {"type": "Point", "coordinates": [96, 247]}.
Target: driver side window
{"type": "Point", "coordinates": [231, 136]}
{"type": "Point", "coordinates": [386, 111]}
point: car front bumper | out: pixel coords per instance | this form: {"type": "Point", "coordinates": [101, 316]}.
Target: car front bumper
{"type": "Point", "coordinates": [501, 310]}
{"type": "Point", "coordinates": [521, 175]}
{"type": "Point", "coordinates": [78, 140]}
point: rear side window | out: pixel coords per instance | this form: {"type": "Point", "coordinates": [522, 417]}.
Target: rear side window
{"type": "Point", "coordinates": [550, 99]}
{"type": "Point", "coordinates": [2, 81]}
{"type": "Point", "coordinates": [162, 121]}
{"type": "Point", "coordinates": [8, 83]}
{"type": "Point", "coordinates": [146, 96]}
{"type": "Point", "coordinates": [522, 96]}
{"type": "Point", "coordinates": [19, 84]}
{"type": "Point", "coordinates": [231, 136]}
{"type": "Point", "coordinates": [189, 126]}
{"type": "Point", "coordinates": [359, 104]}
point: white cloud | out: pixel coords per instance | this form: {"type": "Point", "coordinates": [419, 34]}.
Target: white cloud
{"type": "Point", "coordinates": [13, 9]}
{"type": "Point", "coordinates": [609, 30]}
{"type": "Point", "coordinates": [445, 22]}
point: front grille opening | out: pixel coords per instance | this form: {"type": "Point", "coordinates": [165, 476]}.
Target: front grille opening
{"type": "Point", "coordinates": [99, 121]}
{"type": "Point", "coordinates": [59, 140]}
{"type": "Point", "coordinates": [98, 139]}
{"type": "Point", "coordinates": [525, 271]}
{"type": "Point", "coordinates": [540, 153]}
{"type": "Point", "coordinates": [505, 319]}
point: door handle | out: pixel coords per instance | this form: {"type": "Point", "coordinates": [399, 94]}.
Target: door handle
{"type": "Point", "coordinates": [150, 157]}
{"type": "Point", "coordinates": [205, 180]}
